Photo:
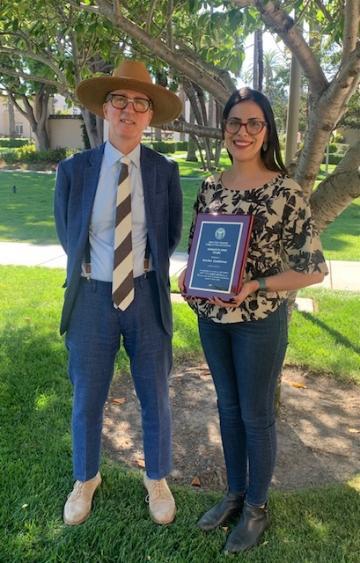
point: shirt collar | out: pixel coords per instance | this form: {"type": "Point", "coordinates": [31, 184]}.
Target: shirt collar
{"type": "Point", "coordinates": [113, 155]}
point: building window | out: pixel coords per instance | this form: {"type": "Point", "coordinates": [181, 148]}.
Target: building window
{"type": "Point", "coordinates": [19, 128]}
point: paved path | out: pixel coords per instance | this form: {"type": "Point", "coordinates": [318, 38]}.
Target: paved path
{"type": "Point", "coordinates": [342, 274]}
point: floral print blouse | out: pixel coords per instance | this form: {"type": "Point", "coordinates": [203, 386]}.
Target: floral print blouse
{"type": "Point", "coordinates": [283, 237]}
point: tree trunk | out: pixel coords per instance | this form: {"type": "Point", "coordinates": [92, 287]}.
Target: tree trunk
{"type": "Point", "coordinates": [42, 114]}
{"type": "Point", "coordinates": [191, 153]}
{"type": "Point", "coordinates": [182, 97]}
{"type": "Point", "coordinates": [38, 117]}
{"type": "Point", "coordinates": [42, 141]}
{"type": "Point", "coordinates": [12, 127]}
{"type": "Point", "coordinates": [292, 124]}
{"type": "Point", "coordinates": [93, 124]}
{"type": "Point", "coordinates": [338, 190]}
{"type": "Point", "coordinates": [258, 61]}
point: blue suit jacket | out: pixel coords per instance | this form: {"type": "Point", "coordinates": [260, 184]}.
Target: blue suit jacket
{"type": "Point", "coordinates": [76, 184]}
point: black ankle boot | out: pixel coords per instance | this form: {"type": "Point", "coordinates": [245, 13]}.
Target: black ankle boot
{"type": "Point", "coordinates": [222, 512]}
{"type": "Point", "coordinates": [247, 533]}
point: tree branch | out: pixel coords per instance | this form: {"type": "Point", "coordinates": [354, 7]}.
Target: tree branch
{"type": "Point", "coordinates": [150, 15]}
{"type": "Point", "coordinates": [341, 187]}
{"type": "Point", "coordinates": [75, 56]}
{"type": "Point", "coordinates": [321, 7]}
{"type": "Point", "coordinates": [344, 84]}
{"type": "Point", "coordinates": [60, 87]}
{"type": "Point", "coordinates": [19, 34]}
{"type": "Point", "coordinates": [14, 101]}
{"type": "Point", "coordinates": [351, 27]}
{"type": "Point", "coordinates": [182, 126]}
{"type": "Point", "coordinates": [40, 58]}
{"type": "Point", "coordinates": [220, 74]}
{"type": "Point", "coordinates": [281, 24]}
{"type": "Point", "coordinates": [197, 73]}
{"type": "Point", "coordinates": [169, 13]}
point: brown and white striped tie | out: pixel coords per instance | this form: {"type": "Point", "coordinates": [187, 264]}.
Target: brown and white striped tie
{"type": "Point", "coordinates": [123, 275]}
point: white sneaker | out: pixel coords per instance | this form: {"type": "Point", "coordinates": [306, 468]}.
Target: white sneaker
{"type": "Point", "coordinates": [78, 505]}
{"type": "Point", "coordinates": [161, 502]}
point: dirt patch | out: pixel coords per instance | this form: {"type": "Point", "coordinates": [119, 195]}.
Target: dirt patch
{"type": "Point", "coordinates": [318, 429]}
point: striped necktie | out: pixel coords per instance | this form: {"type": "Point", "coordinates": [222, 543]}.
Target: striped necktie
{"type": "Point", "coordinates": [123, 278]}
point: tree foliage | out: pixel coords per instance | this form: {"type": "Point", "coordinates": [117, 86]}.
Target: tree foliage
{"type": "Point", "coordinates": [198, 45]}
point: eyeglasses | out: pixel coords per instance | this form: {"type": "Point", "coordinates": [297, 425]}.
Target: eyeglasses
{"type": "Point", "coordinates": [118, 101]}
{"type": "Point", "coordinates": [253, 125]}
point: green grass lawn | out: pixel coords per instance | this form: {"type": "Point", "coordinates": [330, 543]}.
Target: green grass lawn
{"type": "Point", "coordinates": [329, 339]}
{"type": "Point", "coordinates": [341, 241]}
{"type": "Point", "coordinates": [315, 525]}
{"type": "Point", "coordinates": [27, 215]}
{"type": "Point", "coordinates": [325, 342]}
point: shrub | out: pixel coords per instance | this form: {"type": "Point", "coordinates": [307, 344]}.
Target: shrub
{"type": "Point", "coordinates": [164, 147]}
{"type": "Point", "coordinates": [333, 158]}
{"type": "Point", "coordinates": [11, 143]}
{"type": "Point", "coordinates": [337, 137]}
{"type": "Point", "coordinates": [21, 154]}
{"type": "Point", "coordinates": [182, 145]}
{"type": "Point", "coordinates": [29, 154]}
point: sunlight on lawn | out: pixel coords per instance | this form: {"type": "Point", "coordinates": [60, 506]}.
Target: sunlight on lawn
{"type": "Point", "coordinates": [27, 215]}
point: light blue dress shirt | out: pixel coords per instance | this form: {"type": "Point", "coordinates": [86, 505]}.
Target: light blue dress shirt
{"type": "Point", "coordinates": [102, 224]}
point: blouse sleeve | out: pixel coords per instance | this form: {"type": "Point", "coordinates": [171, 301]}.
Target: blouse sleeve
{"type": "Point", "coordinates": [301, 241]}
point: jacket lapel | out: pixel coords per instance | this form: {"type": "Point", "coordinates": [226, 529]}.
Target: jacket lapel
{"type": "Point", "coordinates": [90, 182]}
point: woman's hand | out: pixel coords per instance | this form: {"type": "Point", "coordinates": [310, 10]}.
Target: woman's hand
{"type": "Point", "coordinates": [181, 286]}
{"type": "Point", "coordinates": [181, 281]}
{"type": "Point", "coordinates": [245, 291]}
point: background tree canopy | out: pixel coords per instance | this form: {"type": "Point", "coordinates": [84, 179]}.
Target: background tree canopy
{"type": "Point", "coordinates": [198, 46]}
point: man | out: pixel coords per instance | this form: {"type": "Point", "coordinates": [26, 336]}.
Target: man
{"type": "Point", "coordinates": [118, 212]}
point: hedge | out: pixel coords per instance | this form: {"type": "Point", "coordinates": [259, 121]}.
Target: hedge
{"type": "Point", "coordinates": [167, 147]}
{"type": "Point", "coordinates": [8, 142]}
{"type": "Point", "coordinates": [338, 148]}
{"type": "Point", "coordinates": [29, 154]}
{"type": "Point", "coordinates": [182, 145]}
{"type": "Point", "coordinates": [164, 147]}
{"type": "Point", "coordinates": [333, 158]}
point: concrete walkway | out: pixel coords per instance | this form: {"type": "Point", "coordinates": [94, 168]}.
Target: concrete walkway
{"type": "Point", "coordinates": [342, 274]}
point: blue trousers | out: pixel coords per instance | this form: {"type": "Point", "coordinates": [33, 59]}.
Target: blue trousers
{"type": "Point", "coordinates": [245, 360]}
{"type": "Point", "coordinates": [93, 340]}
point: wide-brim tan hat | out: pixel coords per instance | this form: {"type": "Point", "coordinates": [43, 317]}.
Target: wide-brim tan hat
{"type": "Point", "coordinates": [130, 75]}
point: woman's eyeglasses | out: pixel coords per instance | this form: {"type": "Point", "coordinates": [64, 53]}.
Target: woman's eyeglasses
{"type": "Point", "coordinates": [118, 101]}
{"type": "Point", "coordinates": [253, 126]}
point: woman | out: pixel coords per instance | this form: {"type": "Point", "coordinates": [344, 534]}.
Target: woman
{"type": "Point", "coordinates": [245, 340]}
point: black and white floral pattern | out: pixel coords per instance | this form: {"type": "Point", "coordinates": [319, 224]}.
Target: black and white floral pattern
{"type": "Point", "coordinates": [283, 237]}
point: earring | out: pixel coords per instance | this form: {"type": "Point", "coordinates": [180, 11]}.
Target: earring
{"type": "Point", "coordinates": [264, 147]}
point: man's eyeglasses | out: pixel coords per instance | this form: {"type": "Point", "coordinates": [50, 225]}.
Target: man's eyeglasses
{"type": "Point", "coordinates": [253, 125]}
{"type": "Point", "coordinates": [118, 101]}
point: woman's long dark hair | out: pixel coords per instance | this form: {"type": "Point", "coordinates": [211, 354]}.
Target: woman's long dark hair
{"type": "Point", "coordinates": [271, 156]}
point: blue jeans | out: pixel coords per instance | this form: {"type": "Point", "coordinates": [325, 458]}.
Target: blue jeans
{"type": "Point", "coordinates": [93, 340]}
{"type": "Point", "coordinates": [245, 360]}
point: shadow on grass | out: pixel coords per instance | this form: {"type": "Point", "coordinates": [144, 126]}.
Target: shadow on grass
{"type": "Point", "coordinates": [346, 225]}
{"type": "Point", "coordinates": [36, 476]}
{"type": "Point", "coordinates": [338, 337]}
{"type": "Point", "coordinates": [314, 443]}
